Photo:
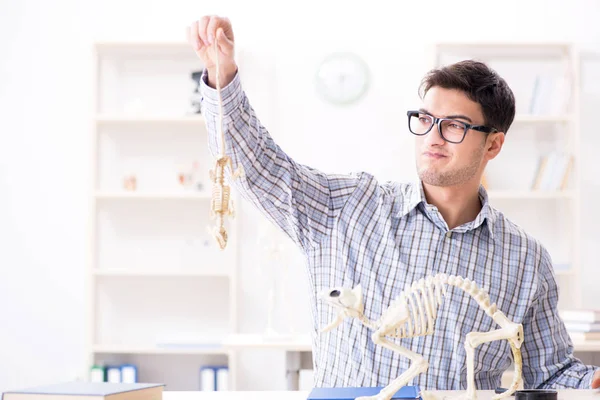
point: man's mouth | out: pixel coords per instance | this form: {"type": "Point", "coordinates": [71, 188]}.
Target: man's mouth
{"type": "Point", "coordinates": [434, 155]}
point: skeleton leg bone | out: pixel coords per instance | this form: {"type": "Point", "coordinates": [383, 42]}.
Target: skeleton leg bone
{"type": "Point", "coordinates": [230, 209]}
{"type": "Point", "coordinates": [418, 366]}
{"type": "Point", "coordinates": [238, 172]}
{"type": "Point", "coordinates": [474, 339]}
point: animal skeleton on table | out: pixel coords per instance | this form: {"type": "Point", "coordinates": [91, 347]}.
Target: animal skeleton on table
{"type": "Point", "coordinates": [413, 314]}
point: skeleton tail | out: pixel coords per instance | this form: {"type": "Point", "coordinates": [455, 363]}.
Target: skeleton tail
{"type": "Point", "coordinates": [470, 287]}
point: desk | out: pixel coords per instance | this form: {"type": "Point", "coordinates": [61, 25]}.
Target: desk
{"type": "Point", "coordinates": [298, 351]}
{"type": "Point", "coordinates": [301, 395]}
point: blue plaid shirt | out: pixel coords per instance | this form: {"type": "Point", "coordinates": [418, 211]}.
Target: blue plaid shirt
{"type": "Point", "coordinates": [354, 230]}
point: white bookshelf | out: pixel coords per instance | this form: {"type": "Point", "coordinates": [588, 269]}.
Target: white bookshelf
{"type": "Point", "coordinates": [157, 284]}
{"type": "Point", "coordinates": [552, 216]}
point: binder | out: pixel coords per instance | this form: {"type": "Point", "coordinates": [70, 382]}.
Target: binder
{"type": "Point", "coordinates": [222, 378]}
{"type": "Point", "coordinates": [113, 374]}
{"type": "Point", "coordinates": [97, 373]}
{"type": "Point", "coordinates": [129, 373]}
{"type": "Point", "coordinates": [214, 377]}
{"type": "Point", "coordinates": [208, 379]}
{"type": "Point", "coordinates": [351, 393]}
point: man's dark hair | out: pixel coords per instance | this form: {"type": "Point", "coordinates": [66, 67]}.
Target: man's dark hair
{"type": "Point", "coordinates": [481, 84]}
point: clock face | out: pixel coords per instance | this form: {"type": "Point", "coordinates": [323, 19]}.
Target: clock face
{"type": "Point", "coordinates": [342, 78]}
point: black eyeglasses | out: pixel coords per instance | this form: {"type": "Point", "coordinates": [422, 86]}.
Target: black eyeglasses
{"type": "Point", "coordinates": [451, 130]}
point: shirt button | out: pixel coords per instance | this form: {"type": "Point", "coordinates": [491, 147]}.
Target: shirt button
{"type": "Point", "coordinates": [449, 234]}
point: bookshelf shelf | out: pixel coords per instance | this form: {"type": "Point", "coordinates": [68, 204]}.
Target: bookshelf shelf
{"type": "Point", "coordinates": [152, 196]}
{"type": "Point", "coordinates": [208, 348]}
{"type": "Point", "coordinates": [529, 118]}
{"type": "Point", "coordinates": [586, 345]}
{"type": "Point", "coordinates": [530, 194]}
{"type": "Point", "coordinates": [144, 49]}
{"type": "Point", "coordinates": [234, 342]}
{"type": "Point", "coordinates": [280, 342]}
{"type": "Point", "coordinates": [116, 272]}
{"type": "Point", "coordinates": [194, 120]}
{"type": "Point", "coordinates": [565, 272]}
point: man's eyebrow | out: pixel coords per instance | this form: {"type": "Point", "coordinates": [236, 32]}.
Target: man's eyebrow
{"type": "Point", "coordinates": [457, 116]}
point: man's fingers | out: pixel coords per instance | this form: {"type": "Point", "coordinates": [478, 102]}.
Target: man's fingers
{"type": "Point", "coordinates": [211, 29]}
{"type": "Point", "coordinates": [202, 26]}
{"type": "Point", "coordinates": [225, 45]}
{"type": "Point", "coordinates": [194, 39]}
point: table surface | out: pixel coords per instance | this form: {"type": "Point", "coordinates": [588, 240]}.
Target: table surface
{"type": "Point", "coordinates": [302, 395]}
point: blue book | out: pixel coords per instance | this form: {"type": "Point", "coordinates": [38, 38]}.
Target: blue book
{"type": "Point", "coordinates": [351, 393]}
{"type": "Point", "coordinates": [89, 391]}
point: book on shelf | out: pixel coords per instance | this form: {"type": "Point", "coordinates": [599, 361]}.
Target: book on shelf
{"type": "Point", "coordinates": [551, 94]}
{"type": "Point", "coordinates": [553, 171]}
{"type": "Point", "coordinates": [80, 390]}
{"type": "Point", "coordinates": [581, 316]}
{"type": "Point", "coordinates": [582, 326]}
{"type": "Point", "coordinates": [214, 378]}
{"type": "Point", "coordinates": [581, 336]}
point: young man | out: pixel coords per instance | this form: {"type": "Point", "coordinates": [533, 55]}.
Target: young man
{"type": "Point", "coordinates": [355, 230]}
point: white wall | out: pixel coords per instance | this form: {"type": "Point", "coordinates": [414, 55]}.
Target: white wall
{"type": "Point", "coordinates": [45, 111]}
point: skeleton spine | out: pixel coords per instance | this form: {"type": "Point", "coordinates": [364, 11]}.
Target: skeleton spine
{"type": "Point", "coordinates": [470, 287]}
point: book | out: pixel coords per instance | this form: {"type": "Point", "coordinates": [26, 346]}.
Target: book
{"type": "Point", "coordinates": [113, 374]}
{"type": "Point", "coordinates": [591, 316]}
{"type": "Point", "coordinates": [582, 327]}
{"type": "Point", "coordinates": [89, 391]}
{"type": "Point", "coordinates": [584, 335]}
{"type": "Point", "coordinates": [129, 373]}
{"type": "Point", "coordinates": [351, 393]}
{"type": "Point", "coordinates": [553, 171]}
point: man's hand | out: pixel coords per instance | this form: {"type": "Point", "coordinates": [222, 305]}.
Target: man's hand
{"type": "Point", "coordinates": [596, 380]}
{"type": "Point", "coordinates": [201, 36]}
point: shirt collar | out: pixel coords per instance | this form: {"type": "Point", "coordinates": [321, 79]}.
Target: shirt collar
{"type": "Point", "coordinates": [415, 195]}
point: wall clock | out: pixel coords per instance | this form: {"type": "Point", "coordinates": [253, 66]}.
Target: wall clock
{"type": "Point", "coordinates": [342, 78]}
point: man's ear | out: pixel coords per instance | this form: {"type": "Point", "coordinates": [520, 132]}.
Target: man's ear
{"type": "Point", "coordinates": [493, 145]}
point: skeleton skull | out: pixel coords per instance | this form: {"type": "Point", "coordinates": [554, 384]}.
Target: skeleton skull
{"type": "Point", "coordinates": [348, 303]}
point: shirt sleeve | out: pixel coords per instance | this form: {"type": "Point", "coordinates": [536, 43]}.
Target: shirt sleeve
{"type": "Point", "coordinates": [548, 360]}
{"type": "Point", "coordinates": [301, 200]}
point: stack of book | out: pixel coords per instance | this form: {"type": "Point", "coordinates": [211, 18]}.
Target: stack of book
{"type": "Point", "coordinates": [582, 324]}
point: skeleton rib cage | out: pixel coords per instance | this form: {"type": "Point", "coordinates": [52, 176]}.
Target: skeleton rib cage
{"type": "Point", "coordinates": [421, 301]}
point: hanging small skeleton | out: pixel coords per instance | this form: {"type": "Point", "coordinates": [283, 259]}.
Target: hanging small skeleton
{"type": "Point", "coordinates": [221, 202]}
{"type": "Point", "coordinates": [413, 314]}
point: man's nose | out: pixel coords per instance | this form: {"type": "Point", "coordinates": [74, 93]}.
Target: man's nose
{"type": "Point", "coordinates": [434, 136]}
